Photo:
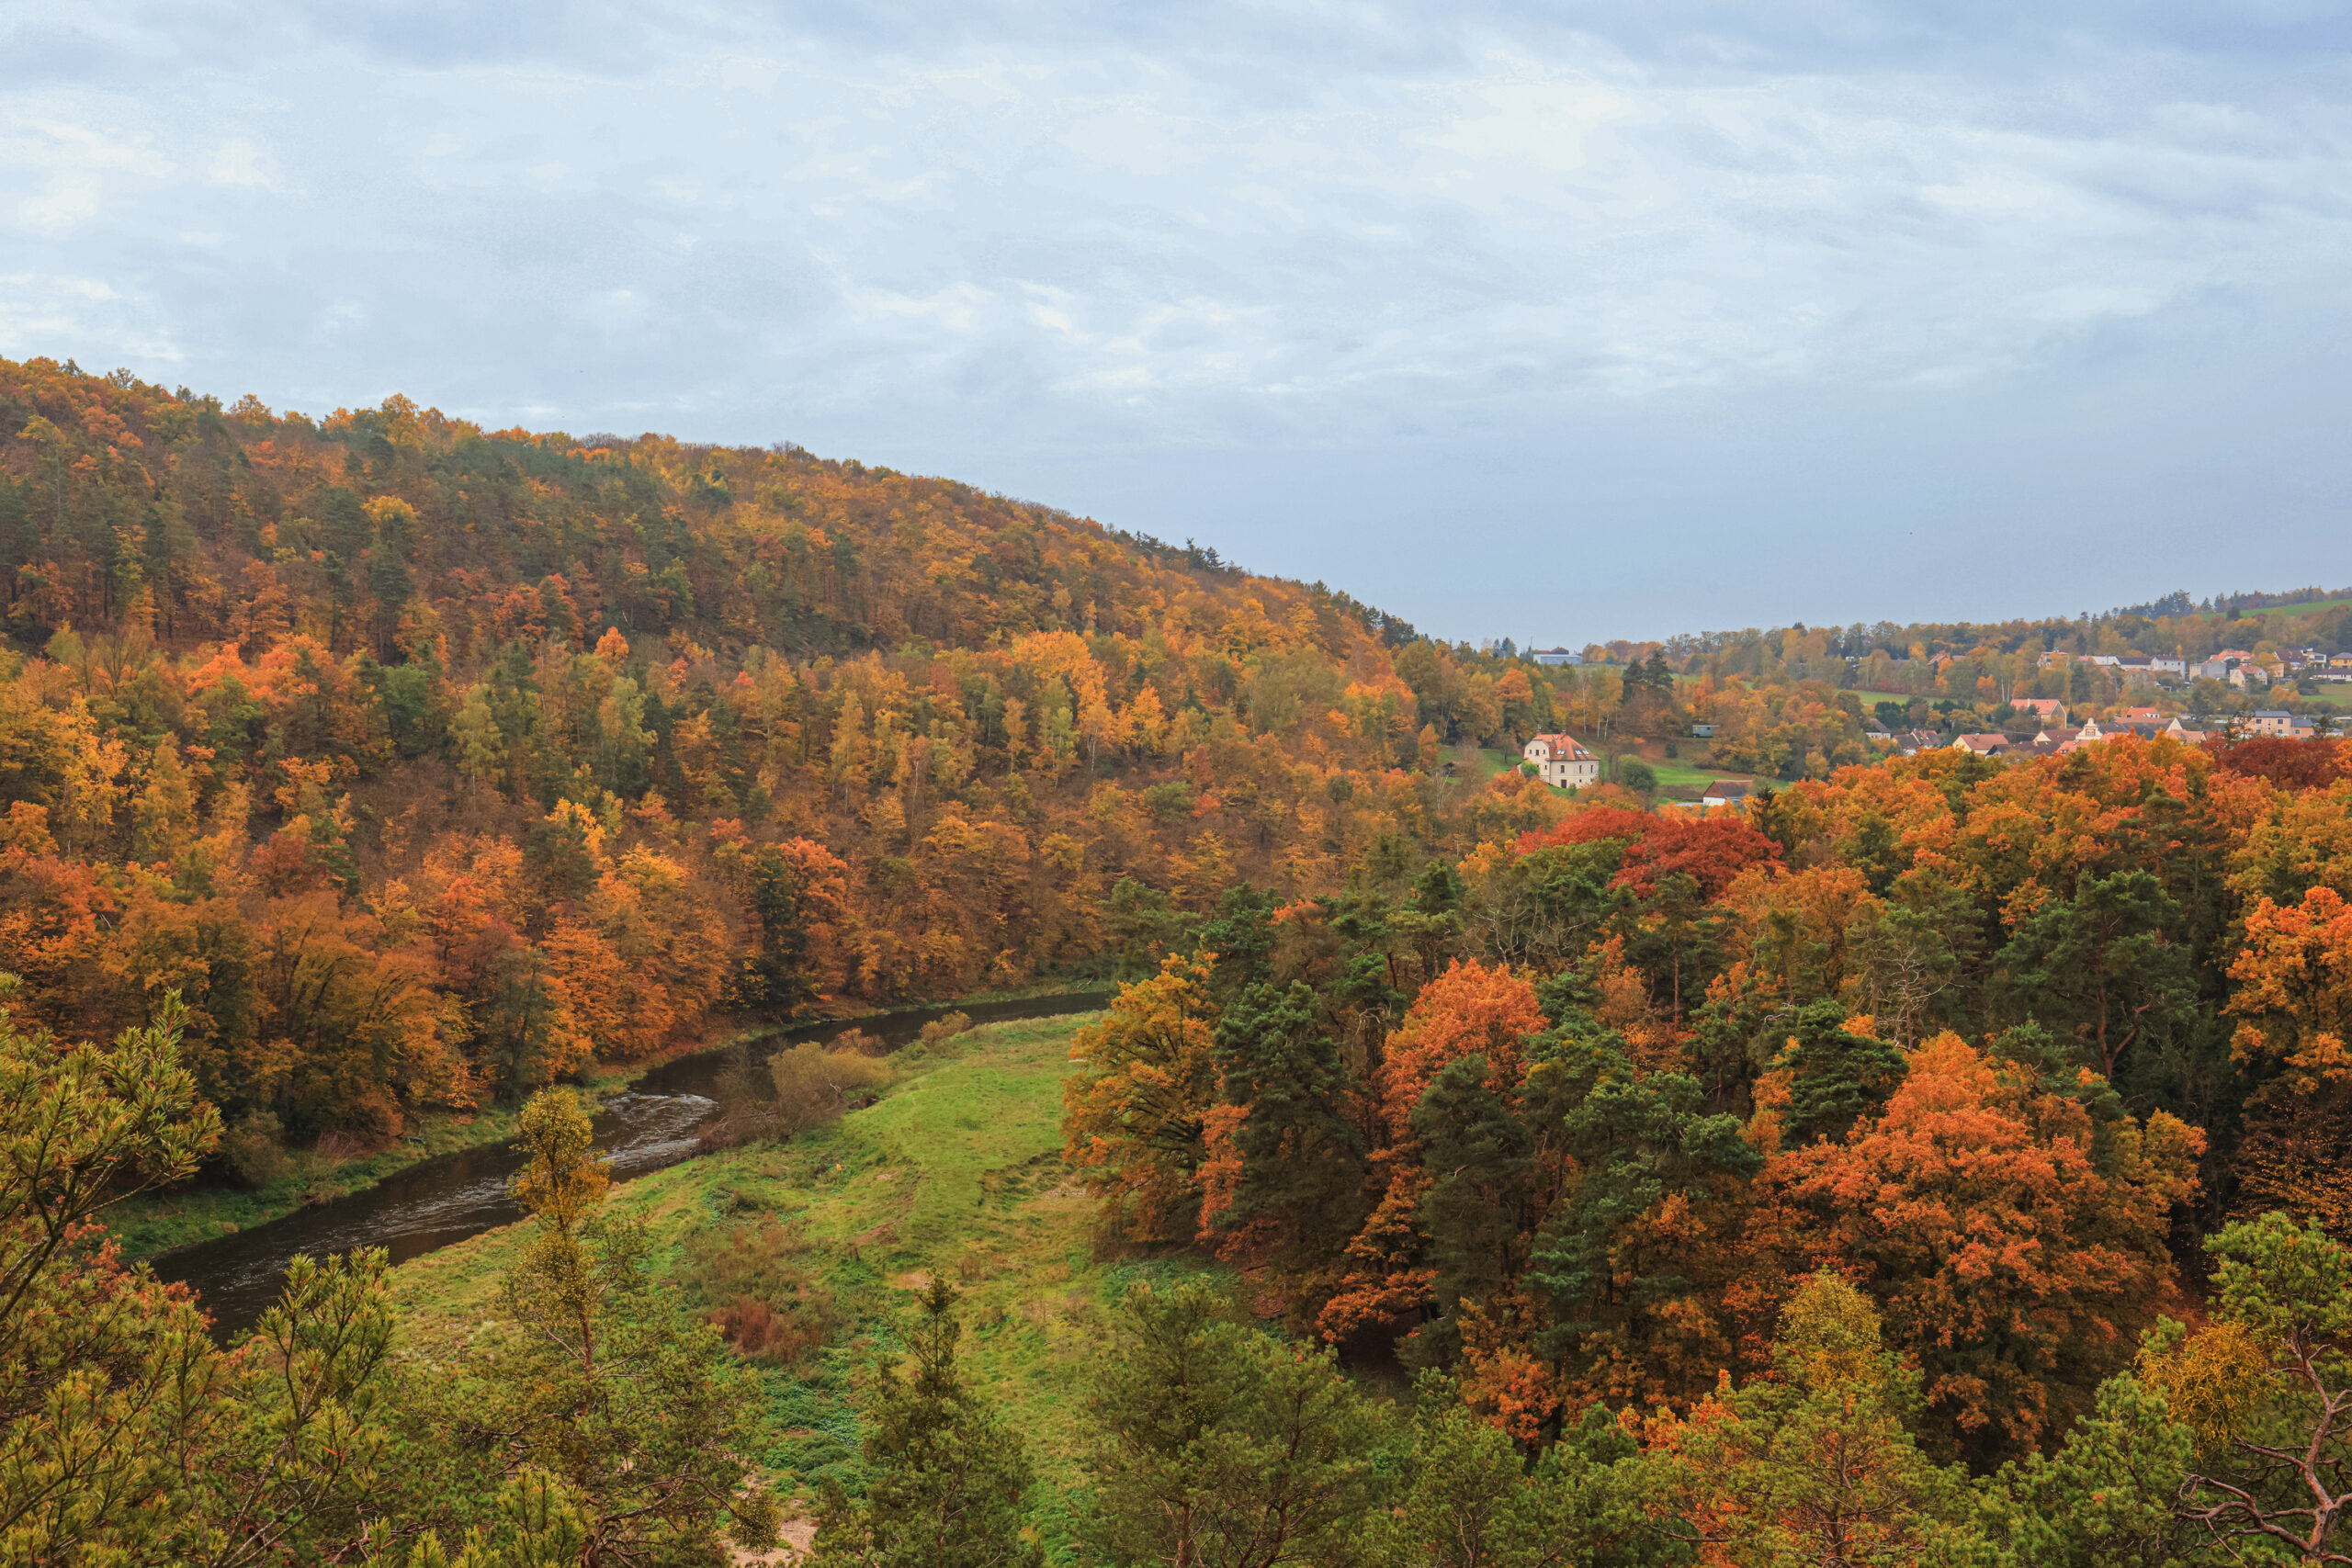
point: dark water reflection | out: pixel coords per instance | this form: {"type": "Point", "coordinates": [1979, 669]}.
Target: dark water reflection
{"type": "Point", "coordinates": [450, 1197]}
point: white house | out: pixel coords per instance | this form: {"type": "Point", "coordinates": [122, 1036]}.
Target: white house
{"type": "Point", "coordinates": [1556, 656]}
{"type": "Point", "coordinates": [1725, 792]}
{"type": "Point", "coordinates": [1562, 762]}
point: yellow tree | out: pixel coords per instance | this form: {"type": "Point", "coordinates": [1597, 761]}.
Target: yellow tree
{"type": "Point", "coordinates": [2293, 1001]}
{"type": "Point", "coordinates": [1133, 1110]}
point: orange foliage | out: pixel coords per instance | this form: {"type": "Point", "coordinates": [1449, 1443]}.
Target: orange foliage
{"type": "Point", "coordinates": [2016, 1262]}
{"type": "Point", "coordinates": [1711, 850]}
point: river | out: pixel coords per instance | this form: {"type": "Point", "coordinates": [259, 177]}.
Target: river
{"type": "Point", "coordinates": [445, 1199]}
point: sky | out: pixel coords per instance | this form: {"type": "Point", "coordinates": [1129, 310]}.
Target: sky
{"type": "Point", "coordinates": [1560, 322]}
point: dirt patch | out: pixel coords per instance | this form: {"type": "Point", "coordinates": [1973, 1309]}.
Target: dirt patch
{"type": "Point", "coordinates": [913, 1279]}
{"type": "Point", "coordinates": [794, 1539]}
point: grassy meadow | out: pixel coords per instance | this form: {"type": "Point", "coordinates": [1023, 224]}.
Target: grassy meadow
{"type": "Point", "coordinates": [956, 1169]}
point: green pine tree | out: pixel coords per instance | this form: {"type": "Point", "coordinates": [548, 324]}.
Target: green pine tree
{"type": "Point", "coordinates": [944, 1478]}
{"type": "Point", "coordinates": [1220, 1446]}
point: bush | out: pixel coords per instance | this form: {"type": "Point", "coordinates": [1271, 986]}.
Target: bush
{"type": "Point", "coordinates": [1171, 801]}
{"type": "Point", "coordinates": [946, 1028]}
{"type": "Point", "coordinates": [751, 1281]}
{"type": "Point", "coordinates": [1636, 775]}
{"type": "Point", "coordinates": [254, 1149]}
{"type": "Point", "coordinates": [857, 1043]}
{"type": "Point", "coordinates": [814, 1086]}
{"type": "Point", "coordinates": [745, 1114]}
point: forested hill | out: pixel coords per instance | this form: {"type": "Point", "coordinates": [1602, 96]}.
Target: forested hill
{"type": "Point", "coordinates": [425, 761]}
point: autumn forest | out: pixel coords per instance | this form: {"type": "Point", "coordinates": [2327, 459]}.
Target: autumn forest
{"type": "Point", "coordinates": [1939, 1158]}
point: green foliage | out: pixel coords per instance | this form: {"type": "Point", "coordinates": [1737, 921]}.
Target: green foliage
{"type": "Point", "coordinates": [1482, 1205]}
{"type": "Point", "coordinates": [2268, 1390]}
{"type": "Point", "coordinates": [1836, 1077]}
{"type": "Point", "coordinates": [1816, 1464]}
{"type": "Point", "coordinates": [1219, 1444]}
{"type": "Point", "coordinates": [125, 1434]}
{"type": "Point", "coordinates": [591, 1375]}
{"type": "Point", "coordinates": [254, 1149]}
{"type": "Point", "coordinates": [2106, 969]}
{"type": "Point", "coordinates": [1635, 1141]}
{"type": "Point", "coordinates": [944, 1479]}
{"type": "Point", "coordinates": [2106, 1498]}
{"type": "Point", "coordinates": [1465, 1497]}
{"type": "Point", "coordinates": [1300, 1160]}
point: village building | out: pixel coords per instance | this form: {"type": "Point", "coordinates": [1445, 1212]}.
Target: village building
{"type": "Point", "coordinates": [1562, 762]}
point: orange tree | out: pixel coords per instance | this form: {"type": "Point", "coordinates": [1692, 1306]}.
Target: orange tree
{"type": "Point", "coordinates": [2011, 1229]}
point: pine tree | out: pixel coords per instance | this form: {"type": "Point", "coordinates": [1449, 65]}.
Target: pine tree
{"type": "Point", "coordinates": [1834, 1076]}
{"type": "Point", "coordinates": [944, 1478]}
{"type": "Point", "coordinates": [1816, 1464]}
{"type": "Point", "coordinates": [1218, 1446]}
{"type": "Point", "coordinates": [1294, 1163]}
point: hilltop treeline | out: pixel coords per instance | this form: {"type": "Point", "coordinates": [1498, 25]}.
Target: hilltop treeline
{"type": "Point", "coordinates": [1886, 656]}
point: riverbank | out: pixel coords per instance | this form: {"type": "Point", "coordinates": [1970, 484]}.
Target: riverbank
{"type": "Point", "coordinates": [957, 1170]}
{"type": "Point", "coordinates": [157, 1223]}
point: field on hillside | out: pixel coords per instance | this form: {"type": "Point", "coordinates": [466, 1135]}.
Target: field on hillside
{"type": "Point", "coordinates": [957, 1170]}
{"type": "Point", "coordinates": [1683, 777]}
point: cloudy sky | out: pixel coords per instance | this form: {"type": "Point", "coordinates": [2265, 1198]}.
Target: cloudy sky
{"type": "Point", "coordinates": [1553, 321]}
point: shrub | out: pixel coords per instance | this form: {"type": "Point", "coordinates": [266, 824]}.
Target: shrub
{"type": "Point", "coordinates": [946, 1028]}
{"type": "Point", "coordinates": [746, 1113]}
{"type": "Point", "coordinates": [254, 1149]}
{"type": "Point", "coordinates": [752, 1282]}
{"type": "Point", "coordinates": [1636, 775]}
{"type": "Point", "coordinates": [857, 1043]}
{"type": "Point", "coordinates": [814, 1086]}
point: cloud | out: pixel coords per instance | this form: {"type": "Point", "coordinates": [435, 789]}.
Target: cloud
{"type": "Point", "coordinates": [65, 171]}
{"type": "Point", "coordinates": [238, 162]}
{"type": "Point", "coordinates": [1627, 270]}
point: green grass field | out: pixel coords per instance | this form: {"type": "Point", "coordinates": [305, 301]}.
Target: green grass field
{"type": "Point", "coordinates": [957, 1170]}
{"type": "Point", "coordinates": [1682, 778]}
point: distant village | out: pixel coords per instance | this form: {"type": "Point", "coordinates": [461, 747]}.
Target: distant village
{"type": "Point", "coordinates": [2028, 725]}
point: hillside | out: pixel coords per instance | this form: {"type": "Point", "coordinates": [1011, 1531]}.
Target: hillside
{"type": "Point", "coordinates": [426, 762]}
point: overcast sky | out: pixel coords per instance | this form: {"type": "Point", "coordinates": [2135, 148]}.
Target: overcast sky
{"type": "Point", "coordinates": [1552, 321]}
